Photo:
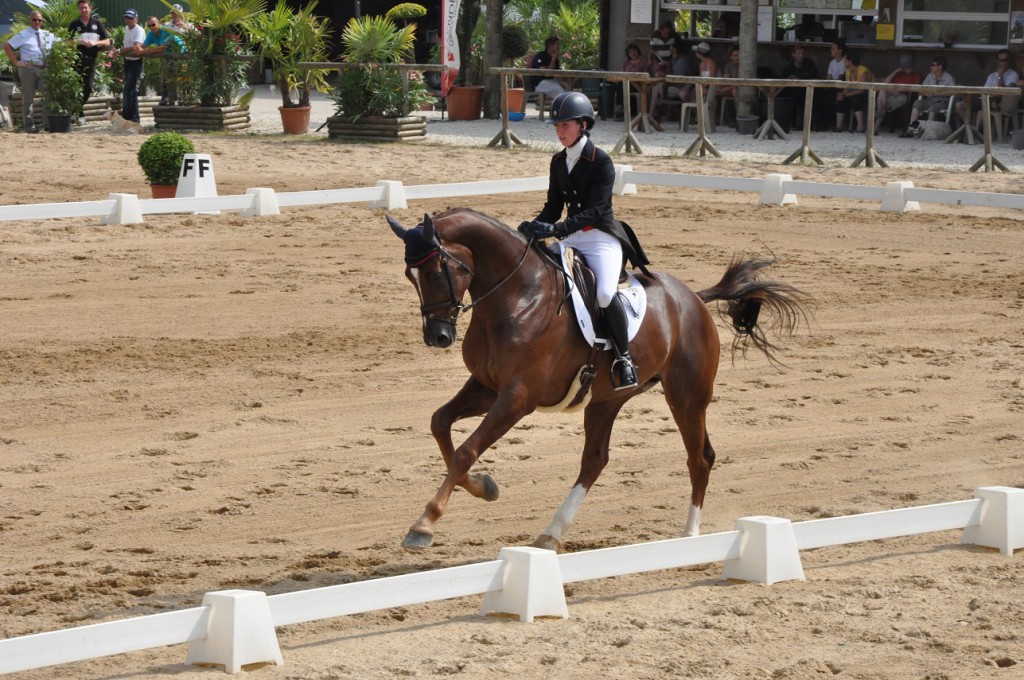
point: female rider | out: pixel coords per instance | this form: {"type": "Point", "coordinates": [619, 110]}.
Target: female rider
{"type": "Point", "coordinates": [581, 180]}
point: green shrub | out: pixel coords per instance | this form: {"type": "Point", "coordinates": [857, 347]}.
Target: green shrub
{"type": "Point", "coordinates": [160, 156]}
{"type": "Point", "coordinates": [514, 42]}
{"type": "Point", "coordinates": [63, 81]}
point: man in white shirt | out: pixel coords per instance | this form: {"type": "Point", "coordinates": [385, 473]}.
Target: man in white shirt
{"type": "Point", "coordinates": [934, 104]}
{"type": "Point", "coordinates": [1003, 76]}
{"type": "Point", "coordinates": [134, 36]}
{"type": "Point", "coordinates": [32, 45]}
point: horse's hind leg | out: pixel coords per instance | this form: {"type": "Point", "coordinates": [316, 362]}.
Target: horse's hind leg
{"type": "Point", "coordinates": [688, 389]}
{"type": "Point", "coordinates": [597, 422]}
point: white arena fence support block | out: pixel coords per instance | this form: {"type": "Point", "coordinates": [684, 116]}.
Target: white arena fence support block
{"type": "Point", "coordinates": [621, 187]}
{"type": "Point", "coordinates": [126, 210]}
{"type": "Point", "coordinates": [240, 632]}
{"type": "Point", "coordinates": [264, 203]}
{"type": "Point", "coordinates": [772, 190]}
{"type": "Point", "coordinates": [768, 552]}
{"type": "Point", "coordinates": [895, 200]}
{"type": "Point", "coordinates": [531, 585]}
{"type": "Point", "coordinates": [196, 179]}
{"type": "Point", "coordinates": [394, 196]}
{"type": "Point", "coordinates": [1001, 521]}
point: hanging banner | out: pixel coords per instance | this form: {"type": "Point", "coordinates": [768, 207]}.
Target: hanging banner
{"type": "Point", "coordinates": [449, 43]}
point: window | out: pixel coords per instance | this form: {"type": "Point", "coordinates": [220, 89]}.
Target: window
{"type": "Point", "coordinates": [963, 23]}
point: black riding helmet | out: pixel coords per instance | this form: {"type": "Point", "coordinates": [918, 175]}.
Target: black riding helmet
{"type": "Point", "coordinates": [572, 106]}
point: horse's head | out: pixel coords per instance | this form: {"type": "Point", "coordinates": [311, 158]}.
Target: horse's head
{"type": "Point", "coordinates": [441, 279]}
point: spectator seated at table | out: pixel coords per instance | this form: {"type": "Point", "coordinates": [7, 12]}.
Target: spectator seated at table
{"type": "Point", "coordinates": [679, 65]}
{"type": "Point", "coordinates": [660, 54]}
{"type": "Point", "coordinates": [1003, 76]}
{"type": "Point", "coordinates": [548, 59]}
{"type": "Point", "coordinates": [635, 62]}
{"type": "Point", "coordinates": [730, 70]}
{"type": "Point", "coordinates": [938, 76]}
{"type": "Point", "coordinates": [798, 68]}
{"type": "Point", "coordinates": [890, 102]}
{"type": "Point", "coordinates": [852, 100]}
{"type": "Point", "coordinates": [825, 98]}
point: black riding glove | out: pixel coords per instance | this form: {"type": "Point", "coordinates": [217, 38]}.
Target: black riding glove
{"type": "Point", "coordinates": [524, 228]}
{"type": "Point", "coordinates": [542, 229]}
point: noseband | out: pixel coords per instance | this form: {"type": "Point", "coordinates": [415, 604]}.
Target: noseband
{"type": "Point", "coordinates": [453, 303]}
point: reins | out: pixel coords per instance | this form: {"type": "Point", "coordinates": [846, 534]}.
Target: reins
{"type": "Point", "coordinates": [453, 300]}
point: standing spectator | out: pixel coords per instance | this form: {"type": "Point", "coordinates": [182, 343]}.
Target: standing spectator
{"type": "Point", "coordinates": [799, 68]}
{"type": "Point", "coordinates": [855, 101]}
{"type": "Point", "coordinates": [635, 62]}
{"type": "Point", "coordinates": [661, 46]}
{"type": "Point", "coordinates": [679, 65]}
{"type": "Point", "coordinates": [158, 41]}
{"type": "Point", "coordinates": [889, 101]}
{"type": "Point", "coordinates": [32, 44]}
{"type": "Point", "coordinates": [938, 76]}
{"type": "Point", "coordinates": [548, 59]}
{"type": "Point", "coordinates": [91, 35]}
{"type": "Point", "coordinates": [1003, 76]}
{"type": "Point", "coordinates": [134, 36]}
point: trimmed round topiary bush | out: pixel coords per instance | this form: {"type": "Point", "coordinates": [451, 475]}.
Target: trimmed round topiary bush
{"type": "Point", "coordinates": [160, 156]}
{"type": "Point", "coordinates": [514, 43]}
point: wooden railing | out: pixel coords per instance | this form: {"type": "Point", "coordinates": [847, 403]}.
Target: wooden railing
{"type": "Point", "coordinates": [771, 88]}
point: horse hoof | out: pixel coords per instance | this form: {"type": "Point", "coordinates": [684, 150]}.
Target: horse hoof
{"type": "Point", "coordinates": [490, 488]}
{"type": "Point", "coordinates": [417, 540]}
{"type": "Point", "coordinates": [547, 543]}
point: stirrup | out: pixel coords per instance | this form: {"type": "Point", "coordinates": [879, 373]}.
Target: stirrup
{"type": "Point", "coordinates": [623, 373]}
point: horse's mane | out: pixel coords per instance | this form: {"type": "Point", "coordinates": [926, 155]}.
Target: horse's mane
{"type": "Point", "coordinates": [456, 217]}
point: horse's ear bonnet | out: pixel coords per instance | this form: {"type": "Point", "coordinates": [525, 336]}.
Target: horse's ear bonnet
{"type": "Point", "coordinates": [418, 249]}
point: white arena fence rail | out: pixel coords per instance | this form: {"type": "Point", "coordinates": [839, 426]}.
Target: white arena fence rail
{"type": "Point", "coordinates": [236, 627]}
{"type": "Point", "coordinates": [773, 189]}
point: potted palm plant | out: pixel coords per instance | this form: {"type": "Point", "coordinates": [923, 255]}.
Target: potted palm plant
{"type": "Point", "coordinates": [287, 37]}
{"type": "Point", "coordinates": [373, 100]}
{"type": "Point", "coordinates": [63, 94]}
{"type": "Point", "coordinates": [213, 68]}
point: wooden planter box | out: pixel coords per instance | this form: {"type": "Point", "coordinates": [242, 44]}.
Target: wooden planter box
{"type": "Point", "coordinates": [95, 109]}
{"type": "Point", "coordinates": [201, 117]}
{"type": "Point", "coordinates": [378, 129]}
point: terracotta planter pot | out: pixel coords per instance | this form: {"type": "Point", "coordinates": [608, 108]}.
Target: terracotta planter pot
{"type": "Point", "coordinates": [295, 119]}
{"type": "Point", "coordinates": [164, 190]}
{"type": "Point", "coordinates": [464, 102]}
{"type": "Point", "coordinates": [515, 99]}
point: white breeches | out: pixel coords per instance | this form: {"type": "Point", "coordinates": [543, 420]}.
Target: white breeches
{"type": "Point", "coordinates": [603, 253]}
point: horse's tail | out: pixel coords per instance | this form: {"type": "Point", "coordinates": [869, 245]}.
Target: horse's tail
{"type": "Point", "coordinates": [747, 296]}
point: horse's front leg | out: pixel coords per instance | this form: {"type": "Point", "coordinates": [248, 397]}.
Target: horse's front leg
{"type": "Point", "coordinates": [597, 423]}
{"type": "Point", "coordinates": [505, 411]}
{"type": "Point", "coordinates": [472, 400]}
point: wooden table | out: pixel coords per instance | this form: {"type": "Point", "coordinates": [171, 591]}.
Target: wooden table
{"type": "Point", "coordinates": [644, 83]}
{"type": "Point", "coordinates": [770, 127]}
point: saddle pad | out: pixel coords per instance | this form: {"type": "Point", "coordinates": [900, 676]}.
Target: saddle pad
{"type": "Point", "coordinates": [632, 293]}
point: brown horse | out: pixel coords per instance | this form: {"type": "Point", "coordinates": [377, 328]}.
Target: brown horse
{"type": "Point", "coordinates": [523, 351]}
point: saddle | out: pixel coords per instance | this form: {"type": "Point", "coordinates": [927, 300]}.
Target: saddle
{"type": "Point", "coordinates": [581, 284]}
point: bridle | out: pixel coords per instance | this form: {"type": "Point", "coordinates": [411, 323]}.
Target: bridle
{"type": "Point", "coordinates": [453, 303]}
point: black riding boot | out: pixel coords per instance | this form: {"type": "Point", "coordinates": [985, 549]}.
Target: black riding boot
{"type": "Point", "coordinates": [623, 370]}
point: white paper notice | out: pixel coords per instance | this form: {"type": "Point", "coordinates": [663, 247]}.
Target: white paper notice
{"type": "Point", "coordinates": [641, 12]}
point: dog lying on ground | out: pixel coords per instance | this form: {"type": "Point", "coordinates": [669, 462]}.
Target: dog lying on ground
{"type": "Point", "coordinates": [119, 125]}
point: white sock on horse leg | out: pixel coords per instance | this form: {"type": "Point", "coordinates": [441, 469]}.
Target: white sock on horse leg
{"type": "Point", "coordinates": [692, 522]}
{"type": "Point", "coordinates": [567, 513]}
